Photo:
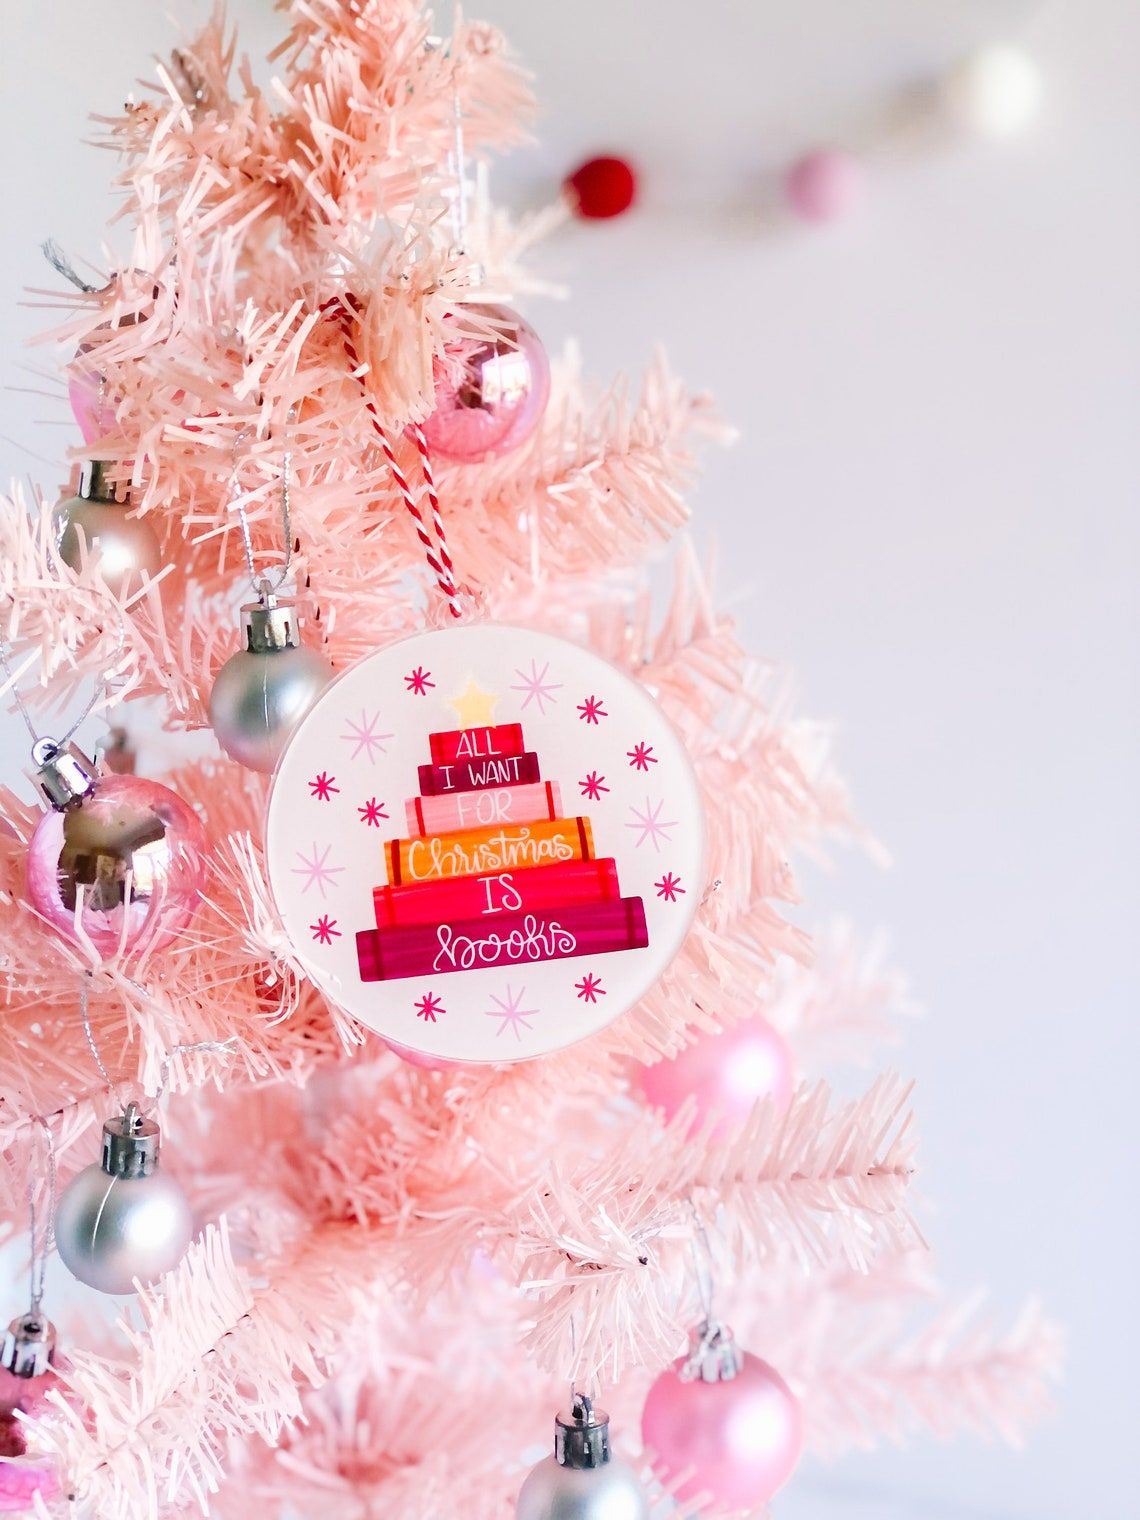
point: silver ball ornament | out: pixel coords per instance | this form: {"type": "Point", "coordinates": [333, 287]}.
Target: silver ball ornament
{"type": "Point", "coordinates": [94, 525]}
{"type": "Point", "coordinates": [582, 1480]}
{"type": "Point", "coordinates": [124, 1218]}
{"type": "Point", "coordinates": [262, 692]}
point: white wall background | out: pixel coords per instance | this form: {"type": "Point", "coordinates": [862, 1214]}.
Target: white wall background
{"type": "Point", "coordinates": [927, 516]}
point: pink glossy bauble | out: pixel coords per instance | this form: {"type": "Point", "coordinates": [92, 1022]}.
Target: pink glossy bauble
{"type": "Point", "coordinates": [825, 185]}
{"type": "Point", "coordinates": [19, 1485]}
{"type": "Point", "coordinates": [94, 411]}
{"type": "Point", "coordinates": [725, 1073]}
{"type": "Point", "coordinates": [490, 392]}
{"type": "Point", "coordinates": [136, 855]}
{"type": "Point", "coordinates": [740, 1440]}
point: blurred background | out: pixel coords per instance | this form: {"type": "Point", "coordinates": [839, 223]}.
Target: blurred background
{"type": "Point", "coordinates": [928, 517]}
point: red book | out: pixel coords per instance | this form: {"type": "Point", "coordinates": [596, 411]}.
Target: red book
{"type": "Point", "coordinates": [495, 893]}
{"type": "Point", "coordinates": [512, 939]}
{"type": "Point", "coordinates": [476, 743]}
{"type": "Point", "coordinates": [502, 847]}
{"type": "Point", "coordinates": [472, 775]}
{"type": "Point", "coordinates": [476, 810]}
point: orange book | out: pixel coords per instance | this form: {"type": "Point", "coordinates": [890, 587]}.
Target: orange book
{"type": "Point", "coordinates": [501, 847]}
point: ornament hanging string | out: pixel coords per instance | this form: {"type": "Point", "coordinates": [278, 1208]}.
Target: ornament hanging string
{"type": "Point", "coordinates": [226, 1047]}
{"type": "Point", "coordinates": [39, 1250]}
{"type": "Point", "coordinates": [62, 265]}
{"type": "Point", "coordinates": [45, 748]}
{"type": "Point", "coordinates": [437, 554]}
{"type": "Point", "coordinates": [262, 585]}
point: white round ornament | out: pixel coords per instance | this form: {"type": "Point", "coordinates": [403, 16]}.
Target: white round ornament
{"type": "Point", "coordinates": [485, 843]}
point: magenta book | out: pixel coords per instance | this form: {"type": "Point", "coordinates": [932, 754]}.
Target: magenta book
{"type": "Point", "coordinates": [516, 938]}
{"type": "Point", "coordinates": [472, 775]}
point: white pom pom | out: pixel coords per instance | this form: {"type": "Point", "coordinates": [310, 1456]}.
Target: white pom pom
{"type": "Point", "coordinates": [994, 91]}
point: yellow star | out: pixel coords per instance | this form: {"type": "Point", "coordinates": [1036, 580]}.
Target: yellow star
{"type": "Point", "coordinates": [474, 707]}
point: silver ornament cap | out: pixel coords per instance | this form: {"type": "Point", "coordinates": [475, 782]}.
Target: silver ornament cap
{"type": "Point", "coordinates": [28, 1344]}
{"type": "Point", "coordinates": [96, 485]}
{"type": "Point", "coordinates": [64, 774]}
{"type": "Point", "coordinates": [583, 1480]}
{"type": "Point", "coordinates": [713, 1356]}
{"type": "Point", "coordinates": [582, 1435]}
{"type": "Point", "coordinates": [130, 1145]}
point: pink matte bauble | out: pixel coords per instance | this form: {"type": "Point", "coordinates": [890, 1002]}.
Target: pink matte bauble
{"type": "Point", "coordinates": [490, 392]}
{"type": "Point", "coordinates": [726, 1073]}
{"type": "Point", "coordinates": [825, 185]}
{"type": "Point", "coordinates": [740, 1440]}
{"type": "Point", "coordinates": [137, 854]}
{"type": "Point", "coordinates": [418, 1057]}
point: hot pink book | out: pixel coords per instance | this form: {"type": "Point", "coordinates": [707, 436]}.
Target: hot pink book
{"type": "Point", "coordinates": [514, 939]}
{"type": "Point", "coordinates": [480, 809]}
{"type": "Point", "coordinates": [497, 892]}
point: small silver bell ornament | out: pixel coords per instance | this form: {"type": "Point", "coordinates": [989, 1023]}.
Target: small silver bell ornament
{"type": "Point", "coordinates": [262, 692]}
{"type": "Point", "coordinates": [123, 1218]}
{"type": "Point", "coordinates": [97, 524]}
{"type": "Point", "coordinates": [582, 1480]}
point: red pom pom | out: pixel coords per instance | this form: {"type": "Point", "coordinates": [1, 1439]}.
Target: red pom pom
{"type": "Point", "coordinates": [602, 187]}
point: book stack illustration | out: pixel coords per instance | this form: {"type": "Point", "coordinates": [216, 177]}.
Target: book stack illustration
{"type": "Point", "coordinates": [491, 873]}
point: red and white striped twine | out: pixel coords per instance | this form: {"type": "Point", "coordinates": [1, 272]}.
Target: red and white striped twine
{"type": "Point", "coordinates": [438, 558]}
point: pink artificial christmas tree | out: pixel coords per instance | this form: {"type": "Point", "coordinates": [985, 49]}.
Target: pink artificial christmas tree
{"type": "Point", "coordinates": [303, 381]}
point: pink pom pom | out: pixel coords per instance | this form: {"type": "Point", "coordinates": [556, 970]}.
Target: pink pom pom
{"type": "Point", "coordinates": [726, 1073]}
{"type": "Point", "coordinates": [824, 185]}
{"type": "Point", "coordinates": [738, 1440]}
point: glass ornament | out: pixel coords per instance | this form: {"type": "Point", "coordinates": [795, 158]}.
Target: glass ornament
{"type": "Point", "coordinates": [491, 390]}
{"type": "Point", "coordinates": [124, 855]}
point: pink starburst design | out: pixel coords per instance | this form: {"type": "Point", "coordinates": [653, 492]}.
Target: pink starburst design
{"type": "Point", "coordinates": [428, 1006]}
{"type": "Point", "coordinates": [322, 786]}
{"type": "Point", "coordinates": [593, 786]}
{"type": "Point", "coordinates": [591, 710]}
{"type": "Point", "coordinates": [510, 1012]}
{"type": "Point", "coordinates": [419, 681]}
{"type": "Point", "coordinates": [363, 736]}
{"type": "Point", "coordinates": [669, 886]}
{"type": "Point", "coordinates": [372, 812]}
{"type": "Point", "coordinates": [325, 929]}
{"type": "Point", "coordinates": [317, 869]}
{"type": "Point", "coordinates": [537, 687]}
{"type": "Point", "coordinates": [650, 824]}
{"type": "Point", "coordinates": [641, 756]}
{"type": "Point", "coordinates": [590, 988]}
